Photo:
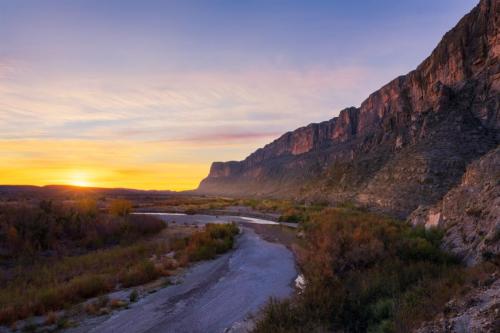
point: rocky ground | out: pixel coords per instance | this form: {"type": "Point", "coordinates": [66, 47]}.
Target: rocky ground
{"type": "Point", "coordinates": [476, 312]}
{"type": "Point", "coordinates": [470, 212]}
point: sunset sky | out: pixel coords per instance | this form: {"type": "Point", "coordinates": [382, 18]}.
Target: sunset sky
{"type": "Point", "coordinates": [146, 94]}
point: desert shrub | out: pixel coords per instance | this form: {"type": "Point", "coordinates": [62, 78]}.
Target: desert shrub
{"type": "Point", "coordinates": [136, 226]}
{"type": "Point", "coordinates": [206, 244]}
{"type": "Point", "coordinates": [193, 205]}
{"type": "Point", "coordinates": [133, 296]}
{"type": "Point", "coordinates": [105, 252]}
{"type": "Point", "coordinates": [296, 213]}
{"type": "Point", "coordinates": [139, 274]}
{"type": "Point", "coordinates": [120, 207]}
{"type": "Point", "coordinates": [293, 215]}
{"type": "Point", "coordinates": [87, 206]}
{"type": "Point", "coordinates": [57, 296]}
{"type": "Point", "coordinates": [222, 231]}
{"type": "Point", "coordinates": [279, 317]}
{"type": "Point", "coordinates": [366, 273]}
{"type": "Point", "coordinates": [51, 318]}
{"type": "Point", "coordinates": [30, 230]}
{"type": "Point", "coordinates": [88, 286]}
{"type": "Point", "coordinates": [267, 205]}
{"type": "Point", "coordinates": [201, 251]}
{"type": "Point", "coordinates": [179, 244]}
{"type": "Point", "coordinates": [54, 283]}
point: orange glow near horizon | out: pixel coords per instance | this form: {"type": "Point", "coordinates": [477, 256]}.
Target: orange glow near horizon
{"type": "Point", "coordinates": [79, 178]}
{"type": "Point", "coordinates": [166, 177]}
{"type": "Point", "coordinates": [95, 164]}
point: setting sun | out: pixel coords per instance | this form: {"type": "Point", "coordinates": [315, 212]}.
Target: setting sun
{"type": "Point", "coordinates": [79, 178]}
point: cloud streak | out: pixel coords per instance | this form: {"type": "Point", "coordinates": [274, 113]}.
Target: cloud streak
{"type": "Point", "coordinates": [161, 126]}
{"type": "Point", "coordinates": [130, 89]}
{"type": "Point", "coordinates": [177, 105]}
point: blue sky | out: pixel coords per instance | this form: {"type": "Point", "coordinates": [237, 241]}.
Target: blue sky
{"type": "Point", "coordinates": [126, 35]}
{"type": "Point", "coordinates": [196, 81]}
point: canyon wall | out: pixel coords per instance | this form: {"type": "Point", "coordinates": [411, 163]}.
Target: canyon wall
{"type": "Point", "coordinates": [424, 147]}
{"type": "Point", "coordinates": [406, 146]}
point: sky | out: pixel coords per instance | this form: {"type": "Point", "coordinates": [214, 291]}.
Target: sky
{"type": "Point", "coordinates": [146, 94]}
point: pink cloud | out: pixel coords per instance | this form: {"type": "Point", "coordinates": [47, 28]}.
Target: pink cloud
{"type": "Point", "coordinates": [236, 136]}
{"type": "Point", "coordinates": [9, 67]}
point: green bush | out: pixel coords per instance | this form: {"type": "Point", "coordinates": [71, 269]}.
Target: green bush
{"type": "Point", "coordinates": [202, 252]}
{"type": "Point", "coordinates": [206, 244]}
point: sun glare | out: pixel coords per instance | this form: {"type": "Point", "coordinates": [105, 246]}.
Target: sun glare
{"type": "Point", "coordinates": [82, 183]}
{"type": "Point", "coordinates": [79, 179]}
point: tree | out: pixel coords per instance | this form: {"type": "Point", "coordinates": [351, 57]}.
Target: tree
{"type": "Point", "coordinates": [120, 207]}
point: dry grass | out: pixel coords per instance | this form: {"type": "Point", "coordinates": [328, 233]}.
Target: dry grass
{"type": "Point", "coordinates": [50, 318]}
{"type": "Point", "coordinates": [192, 205]}
{"type": "Point", "coordinates": [367, 272]}
{"type": "Point", "coordinates": [215, 239]}
{"type": "Point", "coordinates": [27, 231]}
{"type": "Point", "coordinates": [57, 283]}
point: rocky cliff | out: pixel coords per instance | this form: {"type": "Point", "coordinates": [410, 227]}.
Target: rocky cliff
{"type": "Point", "coordinates": [408, 143]}
{"type": "Point", "coordinates": [470, 212]}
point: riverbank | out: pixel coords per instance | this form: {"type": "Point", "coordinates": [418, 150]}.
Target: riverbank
{"type": "Point", "coordinates": [233, 286]}
{"type": "Point", "coordinates": [211, 296]}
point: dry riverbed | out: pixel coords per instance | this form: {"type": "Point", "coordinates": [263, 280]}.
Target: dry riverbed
{"type": "Point", "coordinates": [220, 295]}
{"type": "Point", "coordinates": [211, 296]}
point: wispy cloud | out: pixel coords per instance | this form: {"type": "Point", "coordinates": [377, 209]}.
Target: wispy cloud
{"type": "Point", "coordinates": [152, 86]}
{"type": "Point", "coordinates": [5, 68]}
{"type": "Point", "coordinates": [158, 124]}
{"type": "Point", "coordinates": [173, 106]}
{"type": "Point", "coordinates": [226, 136]}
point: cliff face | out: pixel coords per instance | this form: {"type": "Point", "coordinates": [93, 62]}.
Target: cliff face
{"type": "Point", "coordinates": [470, 212]}
{"type": "Point", "coordinates": [406, 145]}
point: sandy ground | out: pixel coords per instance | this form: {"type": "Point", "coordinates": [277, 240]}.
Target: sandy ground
{"type": "Point", "coordinates": [199, 219]}
{"type": "Point", "coordinates": [230, 210]}
{"type": "Point", "coordinates": [213, 295]}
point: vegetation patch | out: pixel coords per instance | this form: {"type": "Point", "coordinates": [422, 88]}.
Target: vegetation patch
{"type": "Point", "coordinates": [56, 228]}
{"type": "Point", "coordinates": [60, 255]}
{"type": "Point", "coordinates": [368, 273]}
{"type": "Point", "coordinates": [203, 245]}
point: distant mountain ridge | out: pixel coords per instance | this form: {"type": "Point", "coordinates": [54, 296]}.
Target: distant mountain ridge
{"type": "Point", "coordinates": [50, 190]}
{"type": "Point", "coordinates": [408, 143]}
